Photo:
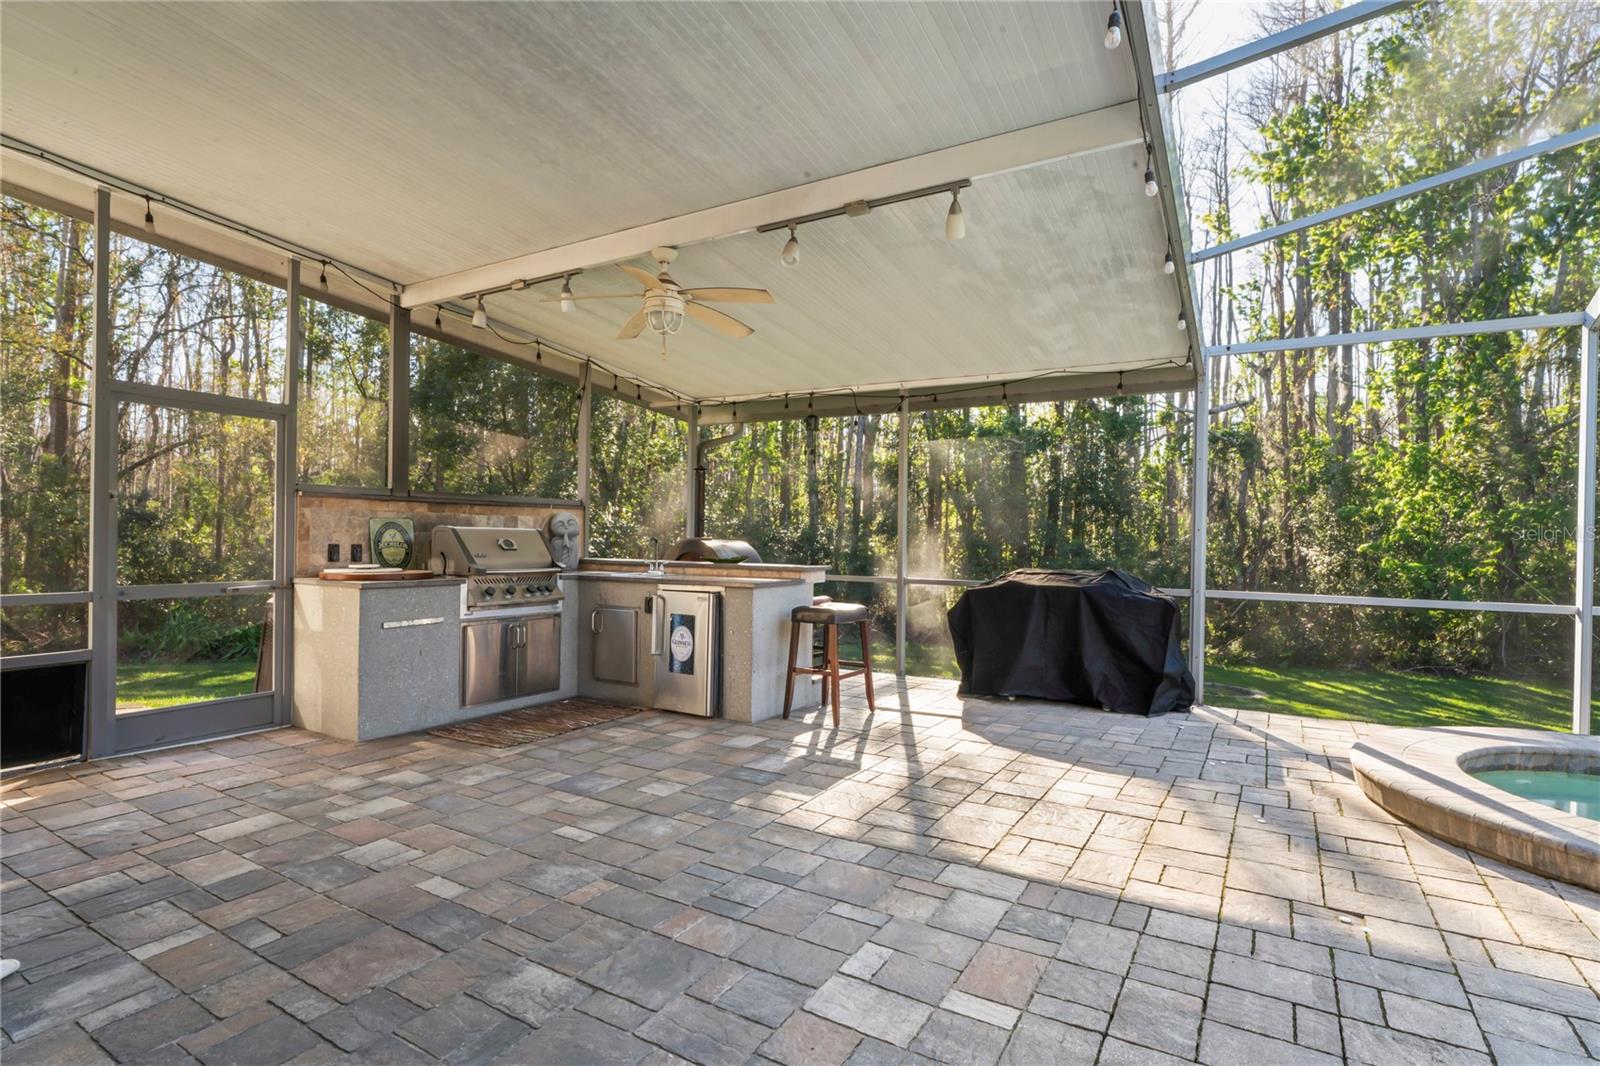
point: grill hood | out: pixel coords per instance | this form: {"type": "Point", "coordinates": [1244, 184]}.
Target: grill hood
{"type": "Point", "coordinates": [470, 550]}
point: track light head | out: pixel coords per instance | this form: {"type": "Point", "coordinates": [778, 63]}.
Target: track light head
{"type": "Point", "coordinates": [1113, 29]}
{"type": "Point", "coordinates": [149, 219]}
{"type": "Point", "coordinates": [1167, 265]}
{"type": "Point", "coordinates": [1150, 186]}
{"type": "Point", "coordinates": [567, 302]}
{"type": "Point", "coordinates": [480, 317]}
{"type": "Point", "coordinates": [955, 221]}
{"type": "Point", "coordinates": [791, 250]}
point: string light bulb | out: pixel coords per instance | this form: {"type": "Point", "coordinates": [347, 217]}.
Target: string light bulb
{"type": "Point", "coordinates": [791, 250]}
{"type": "Point", "coordinates": [955, 222]}
{"type": "Point", "coordinates": [1167, 265]}
{"type": "Point", "coordinates": [567, 301]}
{"type": "Point", "coordinates": [1183, 323]}
{"type": "Point", "coordinates": [323, 278]}
{"type": "Point", "coordinates": [149, 219]}
{"type": "Point", "coordinates": [1113, 29]}
{"type": "Point", "coordinates": [480, 316]}
{"type": "Point", "coordinates": [1150, 186]}
{"type": "Point", "coordinates": [438, 317]}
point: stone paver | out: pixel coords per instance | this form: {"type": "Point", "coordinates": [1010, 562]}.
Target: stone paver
{"type": "Point", "coordinates": [948, 880]}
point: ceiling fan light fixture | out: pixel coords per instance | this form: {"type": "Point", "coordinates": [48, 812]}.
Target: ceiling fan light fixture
{"type": "Point", "coordinates": [955, 220]}
{"type": "Point", "coordinates": [480, 316]}
{"type": "Point", "coordinates": [663, 313]}
{"type": "Point", "coordinates": [567, 302]}
{"type": "Point", "coordinates": [791, 250]}
{"type": "Point", "coordinates": [1113, 29]}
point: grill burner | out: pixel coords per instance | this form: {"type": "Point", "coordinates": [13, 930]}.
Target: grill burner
{"type": "Point", "coordinates": [504, 568]}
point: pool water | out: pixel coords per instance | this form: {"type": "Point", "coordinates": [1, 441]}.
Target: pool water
{"type": "Point", "coordinates": [1574, 793]}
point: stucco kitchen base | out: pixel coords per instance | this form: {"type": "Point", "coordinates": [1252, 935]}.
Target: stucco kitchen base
{"type": "Point", "coordinates": [356, 679]}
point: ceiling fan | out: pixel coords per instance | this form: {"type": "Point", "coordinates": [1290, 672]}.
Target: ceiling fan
{"type": "Point", "coordinates": [665, 305]}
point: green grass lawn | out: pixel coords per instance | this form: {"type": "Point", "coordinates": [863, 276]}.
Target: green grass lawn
{"type": "Point", "coordinates": [164, 684]}
{"type": "Point", "coordinates": [1389, 697]}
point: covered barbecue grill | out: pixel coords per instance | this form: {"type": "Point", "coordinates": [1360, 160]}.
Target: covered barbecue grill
{"type": "Point", "coordinates": [1099, 638]}
{"type": "Point", "coordinates": [711, 550]}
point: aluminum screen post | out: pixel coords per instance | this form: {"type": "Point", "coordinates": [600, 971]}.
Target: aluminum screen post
{"type": "Point", "coordinates": [1583, 653]}
{"type": "Point", "coordinates": [691, 451]}
{"type": "Point", "coordinates": [585, 422]}
{"type": "Point", "coordinates": [288, 474]}
{"type": "Point", "coordinates": [101, 738]}
{"type": "Point", "coordinates": [1198, 505]}
{"type": "Point", "coordinates": [902, 537]}
{"type": "Point", "coordinates": [399, 399]}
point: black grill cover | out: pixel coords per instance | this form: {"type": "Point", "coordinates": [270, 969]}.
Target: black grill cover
{"type": "Point", "coordinates": [1093, 637]}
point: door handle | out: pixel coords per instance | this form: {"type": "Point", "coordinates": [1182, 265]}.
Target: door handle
{"type": "Point", "coordinates": [596, 622]}
{"type": "Point", "coordinates": [657, 619]}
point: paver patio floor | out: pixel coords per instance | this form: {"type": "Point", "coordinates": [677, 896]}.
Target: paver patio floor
{"type": "Point", "coordinates": [959, 881]}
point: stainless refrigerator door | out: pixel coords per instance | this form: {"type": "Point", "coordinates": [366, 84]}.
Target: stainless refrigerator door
{"type": "Point", "coordinates": [689, 659]}
{"type": "Point", "coordinates": [614, 644]}
{"type": "Point", "coordinates": [538, 655]}
{"type": "Point", "coordinates": [488, 671]}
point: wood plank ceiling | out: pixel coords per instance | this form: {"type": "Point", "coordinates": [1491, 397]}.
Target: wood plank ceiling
{"type": "Point", "coordinates": [419, 139]}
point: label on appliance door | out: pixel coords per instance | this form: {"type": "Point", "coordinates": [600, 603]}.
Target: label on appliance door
{"type": "Point", "coordinates": [681, 644]}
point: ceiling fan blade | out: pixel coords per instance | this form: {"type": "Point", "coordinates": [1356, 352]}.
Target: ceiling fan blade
{"type": "Point", "coordinates": [633, 327]}
{"type": "Point", "coordinates": [592, 296]}
{"type": "Point", "coordinates": [643, 276]}
{"type": "Point", "coordinates": [736, 296]}
{"type": "Point", "coordinates": [717, 320]}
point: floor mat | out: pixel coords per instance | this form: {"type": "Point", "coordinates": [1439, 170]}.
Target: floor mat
{"type": "Point", "coordinates": [524, 726]}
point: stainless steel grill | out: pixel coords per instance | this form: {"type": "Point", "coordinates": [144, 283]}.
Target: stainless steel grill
{"type": "Point", "coordinates": [510, 611]}
{"type": "Point", "coordinates": [505, 568]}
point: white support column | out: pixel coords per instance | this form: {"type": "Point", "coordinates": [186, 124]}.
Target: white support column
{"type": "Point", "coordinates": [585, 421]}
{"type": "Point", "coordinates": [691, 451]}
{"type": "Point", "coordinates": [102, 718]}
{"type": "Point", "coordinates": [1198, 504]}
{"type": "Point", "coordinates": [1583, 653]}
{"type": "Point", "coordinates": [902, 537]}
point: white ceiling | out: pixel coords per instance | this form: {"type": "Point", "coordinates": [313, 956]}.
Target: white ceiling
{"type": "Point", "coordinates": [416, 140]}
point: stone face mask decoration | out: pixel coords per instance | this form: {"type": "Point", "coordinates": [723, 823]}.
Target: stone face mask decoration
{"type": "Point", "coordinates": [562, 535]}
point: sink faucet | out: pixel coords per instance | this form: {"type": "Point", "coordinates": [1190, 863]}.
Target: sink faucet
{"type": "Point", "coordinates": [657, 564]}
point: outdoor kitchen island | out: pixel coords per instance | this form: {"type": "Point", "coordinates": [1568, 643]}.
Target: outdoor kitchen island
{"type": "Point", "coordinates": [378, 658]}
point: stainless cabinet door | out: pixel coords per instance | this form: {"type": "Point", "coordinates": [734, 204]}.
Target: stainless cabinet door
{"type": "Point", "coordinates": [488, 672]}
{"type": "Point", "coordinates": [688, 651]}
{"type": "Point", "coordinates": [614, 645]}
{"type": "Point", "coordinates": [538, 655]}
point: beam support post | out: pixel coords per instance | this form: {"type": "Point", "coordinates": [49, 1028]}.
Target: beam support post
{"type": "Point", "coordinates": [101, 733]}
{"type": "Point", "coordinates": [1198, 506]}
{"type": "Point", "coordinates": [902, 536]}
{"type": "Point", "coordinates": [1583, 652]}
{"type": "Point", "coordinates": [288, 474]}
{"type": "Point", "coordinates": [399, 398]}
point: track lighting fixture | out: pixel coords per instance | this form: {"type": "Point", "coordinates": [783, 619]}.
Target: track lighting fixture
{"type": "Point", "coordinates": [1114, 28]}
{"type": "Point", "coordinates": [1167, 265]}
{"type": "Point", "coordinates": [1183, 323]}
{"type": "Point", "coordinates": [323, 278]}
{"type": "Point", "coordinates": [791, 250]}
{"type": "Point", "coordinates": [480, 317]}
{"type": "Point", "coordinates": [955, 221]}
{"type": "Point", "coordinates": [567, 302]}
{"type": "Point", "coordinates": [1150, 186]}
{"type": "Point", "coordinates": [149, 219]}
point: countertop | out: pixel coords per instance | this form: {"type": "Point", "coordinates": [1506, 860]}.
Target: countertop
{"type": "Point", "coordinates": [670, 578]}
{"type": "Point", "coordinates": [388, 583]}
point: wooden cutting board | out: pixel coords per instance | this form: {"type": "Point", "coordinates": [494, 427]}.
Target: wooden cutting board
{"type": "Point", "coordinates": [387, 573]}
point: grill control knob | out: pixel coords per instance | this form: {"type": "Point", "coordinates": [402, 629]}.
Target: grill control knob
{"type": "Point", "coordinates": [531, 590]}
{"type": "Point", "coordinates": [488, 594]}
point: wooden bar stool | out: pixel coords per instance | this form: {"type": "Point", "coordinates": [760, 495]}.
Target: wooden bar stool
{"type": "Point", "coordinates": [830, 615]}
